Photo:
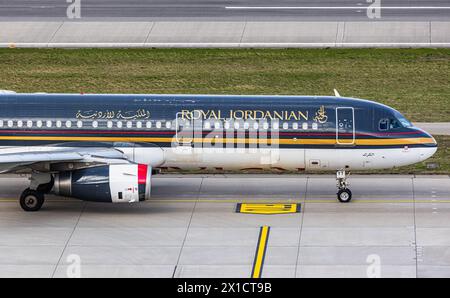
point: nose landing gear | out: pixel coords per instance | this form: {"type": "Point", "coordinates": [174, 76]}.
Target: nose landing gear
{"type": "Point", "coordinates": [344, 195]}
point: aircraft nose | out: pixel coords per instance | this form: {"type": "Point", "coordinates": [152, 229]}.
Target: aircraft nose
{"type": "Point", "coordinates": [432, 140]}
{"type": "Point", "coordinates": [431, 146]}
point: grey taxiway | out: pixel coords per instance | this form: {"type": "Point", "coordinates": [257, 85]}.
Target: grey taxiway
{"type": "Point", "coordinates": [232, 10]}
{"type": "Point", "coordinates": [216, 23]}
{"type": "Point", "coordinates": [190, 228]}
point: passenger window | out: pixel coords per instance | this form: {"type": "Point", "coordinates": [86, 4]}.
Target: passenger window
{"type": "Point", "coordinates": [39, 123]}
{"type": "Point", "coordinates": [109, 124]}
{"type": "Point", "coordinates": [305, 126]}
{"type": "Point", "coordinates": [383, 124]}
{"type": "Point", "coordinates": [94, 124]}
{"type": "Point", "coordinates": [148, 124]}
{"type": "Point", "coordinates": [295, 125]}
{"type": "Point", "coordinates": [314, 126]}
{"type": "Point", "coordinates": [158, 124]}
{"type": "Point", "coordinates": [275, 126]}
{"type": "Point", "coordinates": [139, 124]}
{"type": "Point", "coordinates": [49, 123]}
{"type": "Point", "coordinates": [285, 125]}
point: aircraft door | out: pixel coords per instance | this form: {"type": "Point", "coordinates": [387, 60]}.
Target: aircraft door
{"type": "Point", "coordinates": [345, 126]}
{"type": "Point", "coordinates": [184, 130]}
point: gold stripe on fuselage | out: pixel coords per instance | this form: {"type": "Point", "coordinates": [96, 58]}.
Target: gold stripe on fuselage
{"type": "Point", "coordinates": [379, 142]}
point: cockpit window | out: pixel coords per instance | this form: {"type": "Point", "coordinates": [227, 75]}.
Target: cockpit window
{"type": "Point", "coordinates": [392, 120]}
{"type": "Point", "coordinates": [393, 123]}
{"type": "Point", "coordinates": [404, 121]}
{"type": "Point", "coordinates": [383, 125]}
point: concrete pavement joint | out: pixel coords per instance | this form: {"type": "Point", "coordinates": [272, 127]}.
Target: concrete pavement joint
{"type": "Point", "coordinates": [68, 240]}
{"type": "Point", "coordinates": [301, 226]}
{"type": "Point", "coordinates": [415, 225]}
{"type": "Point", "coordinates": [187, 228]}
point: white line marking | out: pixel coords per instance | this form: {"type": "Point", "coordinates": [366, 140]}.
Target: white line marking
{"type": "Point", "coordinates": [336, 7]}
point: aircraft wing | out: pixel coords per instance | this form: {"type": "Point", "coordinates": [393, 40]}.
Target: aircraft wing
{"type": "Point", "coordinates": [18, 159]}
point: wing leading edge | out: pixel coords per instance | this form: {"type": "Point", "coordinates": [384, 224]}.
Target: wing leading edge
{"type": "Point", "coordinates": [23, 159]}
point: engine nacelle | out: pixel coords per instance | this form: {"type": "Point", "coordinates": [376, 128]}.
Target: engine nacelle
{"type": "Point", "coordinates": [125, 183]}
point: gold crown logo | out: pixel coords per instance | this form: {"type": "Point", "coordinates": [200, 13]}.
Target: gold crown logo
{"type": "Point", "coordinates": [321, 115]}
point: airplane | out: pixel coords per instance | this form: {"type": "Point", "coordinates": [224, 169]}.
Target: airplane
{"type": "Point", "coordinates": [106, 147]}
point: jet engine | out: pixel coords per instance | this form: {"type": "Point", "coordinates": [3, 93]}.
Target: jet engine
{"type": "Point", "coordinates": [125, 183]}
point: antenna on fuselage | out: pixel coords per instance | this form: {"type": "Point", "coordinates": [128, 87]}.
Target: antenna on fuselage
{"type": "Point", "coordinates": [336, 93]}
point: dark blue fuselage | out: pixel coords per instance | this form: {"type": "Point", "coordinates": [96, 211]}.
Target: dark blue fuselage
{"type": "Point", "coordinates": [323, 122]}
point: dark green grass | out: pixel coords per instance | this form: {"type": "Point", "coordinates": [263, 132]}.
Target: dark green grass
{"type": "Point", "coordinates": [414, 81]}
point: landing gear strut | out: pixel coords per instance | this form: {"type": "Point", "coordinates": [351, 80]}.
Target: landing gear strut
{"type": "Point", "coordinates": [344, 195]}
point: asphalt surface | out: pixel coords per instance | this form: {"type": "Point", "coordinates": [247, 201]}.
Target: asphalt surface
{"type": "Point", "coordinates": [437, 128]}
{"type": "Point", "coordinates": [400, 224]}
{"type": "Point", "coordinates": [220, 10]}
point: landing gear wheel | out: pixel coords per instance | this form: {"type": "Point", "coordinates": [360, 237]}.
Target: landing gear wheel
{"type": "Point", "coordinates": [344, 195]}
{"type": "Point", "coordinates": [31, 200]}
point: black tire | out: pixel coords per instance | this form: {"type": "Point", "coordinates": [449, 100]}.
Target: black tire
{"type": "Point", "coordinates": [344, 195]}
{"type": "Point", "coordinates": [31, 200]}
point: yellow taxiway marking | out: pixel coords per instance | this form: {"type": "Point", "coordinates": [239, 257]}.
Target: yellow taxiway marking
{"type": "Point", "coordinates": [260, 251]}
{"type": "Point", "coordinates": [273, 208]}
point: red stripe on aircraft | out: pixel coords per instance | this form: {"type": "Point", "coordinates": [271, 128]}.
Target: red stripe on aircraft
{"type": "Point", "coordinates": [142, 174]}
